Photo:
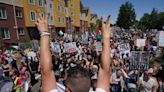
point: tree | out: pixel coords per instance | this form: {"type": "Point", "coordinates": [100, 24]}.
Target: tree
{"type": "Point", "coordinates": [93, 26]}
{"type": "Point", "coordinates": [99, 25]}
{"type": "Point", "coordinates": [154, 19]}
{"type": "Point", "coordinates": [144, 22]}
{"type": "Point", "coordinates": [96, 26]}
{"type": "Point", "coordinates": [161, 20]}
{"type": "Point", "coordinates": [126, 17]}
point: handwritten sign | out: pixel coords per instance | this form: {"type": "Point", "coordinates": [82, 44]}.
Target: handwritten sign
{"type": "Point", "coordinates": [161, 38]}
{"type": "Point", "coordinates": [99, 46]}
{"type": "Point", "coordinates": [141, 42]}
{"type": "Point", "coordinates": [55, 47]}
{"type": "Point", "coordinates": [70, 47]}
{"type": "Point", "coordinates": [35, 45]}
{"type": "Point", "coordinates": [124, 48]}
{"type": "Point", "coordinates": [21, 46]}
{"type": "Point", "coordinates": [139, 60]}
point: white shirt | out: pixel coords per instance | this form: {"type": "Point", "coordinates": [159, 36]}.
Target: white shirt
{"type": "Point", "coordinates": [147, 86]}
{"type": "Point", "coordinates": [31, 54]}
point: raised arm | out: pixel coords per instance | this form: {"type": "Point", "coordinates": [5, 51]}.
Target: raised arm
{"type": "Point", "coordinates": [48, 78]}
{"type": "Point", "coordinates": [104, 71]}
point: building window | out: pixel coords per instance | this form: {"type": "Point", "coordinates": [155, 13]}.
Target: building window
{"type": "Point", "coordinates": [71, 13]}
{"type": "Point", "coordinates": [40, 2]}
{"type": "Point", "coordinates": [33, 16]}
{"type": "Point", "coordinates": [3, 14]}
{"type": "Point", "coordinates": [63, 9]}
{"type": "Point", "coordinates": [61, 0]}
{"type": "Point", "coordinates": [71, 5]}
{"type": "Point", "coordinates": [5, 33]}
{"type": "Point", "coordinates": [31, 2]}
{"type": "Point", "coordinates": [18, 13]}
{"type": "Point", "coordinates": [20, 31]}
{"type": "Point", "coordinates": [58, 8]}
{"type": "Point", "coordinates": [50, 6]}
{"type": "Point", "coordinates": [59, 20]}
{"type": "Point", "coordinates": [63, 20]}
{"type": "Point", "coordinates": [51, 18]}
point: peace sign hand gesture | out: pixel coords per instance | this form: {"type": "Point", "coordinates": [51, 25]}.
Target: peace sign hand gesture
{"type": "Point", "coordinates": [106, 29]}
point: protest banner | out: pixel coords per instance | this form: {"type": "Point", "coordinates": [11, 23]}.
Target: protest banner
{"type": "Point", "coordinates": [70, 47]}
{"type": "Point", "coordinates": [161, 38]}
{"type": "Point", "coordinates": [55, 47]}
{"type": "Point", "coordinates": [124, 48]}
{"type": "Point", "coordinates": [139, 60]}
{"type": "Point", "coordinates": [98, 46]}
{"type": "Point", "coordinates": [141, 42]}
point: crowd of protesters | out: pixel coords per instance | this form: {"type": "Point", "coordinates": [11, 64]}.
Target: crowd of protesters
{"type": "Point", "coordinates": [20, 70]}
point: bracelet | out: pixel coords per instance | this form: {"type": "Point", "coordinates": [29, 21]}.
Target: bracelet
{"type": "Point", "coordinates": [44, 33]}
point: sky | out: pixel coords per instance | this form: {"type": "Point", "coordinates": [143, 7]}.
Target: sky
{"type": "Point", "coordinates": [105, 7]}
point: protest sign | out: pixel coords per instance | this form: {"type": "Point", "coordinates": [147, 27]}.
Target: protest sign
{"type": "Point", "coordinates": [139, 60]}
{"type": "Point", "coordinates": [85, 37]}
{"type": "Point", "coordinates": [55, 47]}
{"type": "Point", "coordinates": [98, 46]}
{"type": "Point", "coordinates": [161, 38]}
{"type": "Point", "coordinates": [141, 42]}
{"type": "Point", "coordinates": [35, 45]}
{"type": "Point", "coordinates": [70, 47]}
{"type": "Point", "coordinates": [21, 46]}
{"type": "Point", "coordinates": [124, 48]}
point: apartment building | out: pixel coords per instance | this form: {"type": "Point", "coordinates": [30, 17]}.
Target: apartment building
{"type": "Point", "coordinates": [32, 9]}
{"type": "Point", "coordinates": [12, 22]}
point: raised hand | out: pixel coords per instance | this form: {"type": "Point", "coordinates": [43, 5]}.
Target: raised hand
{"type": "Point", "coordinates": [104, 71]}
{"type": "Point", "coordinates": [106, 29]}
{"type": "Point", "coordinates": [42, 23]}
{"type": "Point", "coordinates": [48, 78]}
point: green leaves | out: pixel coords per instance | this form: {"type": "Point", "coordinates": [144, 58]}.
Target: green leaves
{"type": "Point", "coordinates": [154, 20]}
{"type": "Point", "coordinates": [127, 16]}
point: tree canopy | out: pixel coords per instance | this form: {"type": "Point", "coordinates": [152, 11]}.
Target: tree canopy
{"type": "Point", "coordinates": [127, 16]}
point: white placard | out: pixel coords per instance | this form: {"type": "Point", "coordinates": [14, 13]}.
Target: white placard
{"type": "Point", "coordinates": [124, 48]}
{"type": "Point", "coordinates": [141, 42]}
{"type": "Point", "coordinates": [70, 47]}
{"type": "Point", "coordinates": [161, 38]}
{"type": "Point", "coordinates": [55, 47]}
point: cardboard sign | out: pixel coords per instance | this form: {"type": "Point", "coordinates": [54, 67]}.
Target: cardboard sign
{"type": "Point", "coordinates": [141, 42]}
{"type": "Point", "coordinates": [124, 48]}
{"type": "Point", "coordinates": [139, 61]}
{"type": "Point", "coordinates": [55, 47]}
{"type": "Point", "coordinates": [161, 38]}
{"type": "Point", "coordinates": [98, 46]}
{"type": "Point", "coordinates": [70, 47]}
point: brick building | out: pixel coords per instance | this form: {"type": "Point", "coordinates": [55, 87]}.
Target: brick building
{"type": "Point", "coordinates": [12, 23]}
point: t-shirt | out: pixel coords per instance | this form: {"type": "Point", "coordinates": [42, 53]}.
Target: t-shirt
{"type": "Point", "coordinates": [97, 90]}
{"type": "Point", "coordinates": [147, 86]}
